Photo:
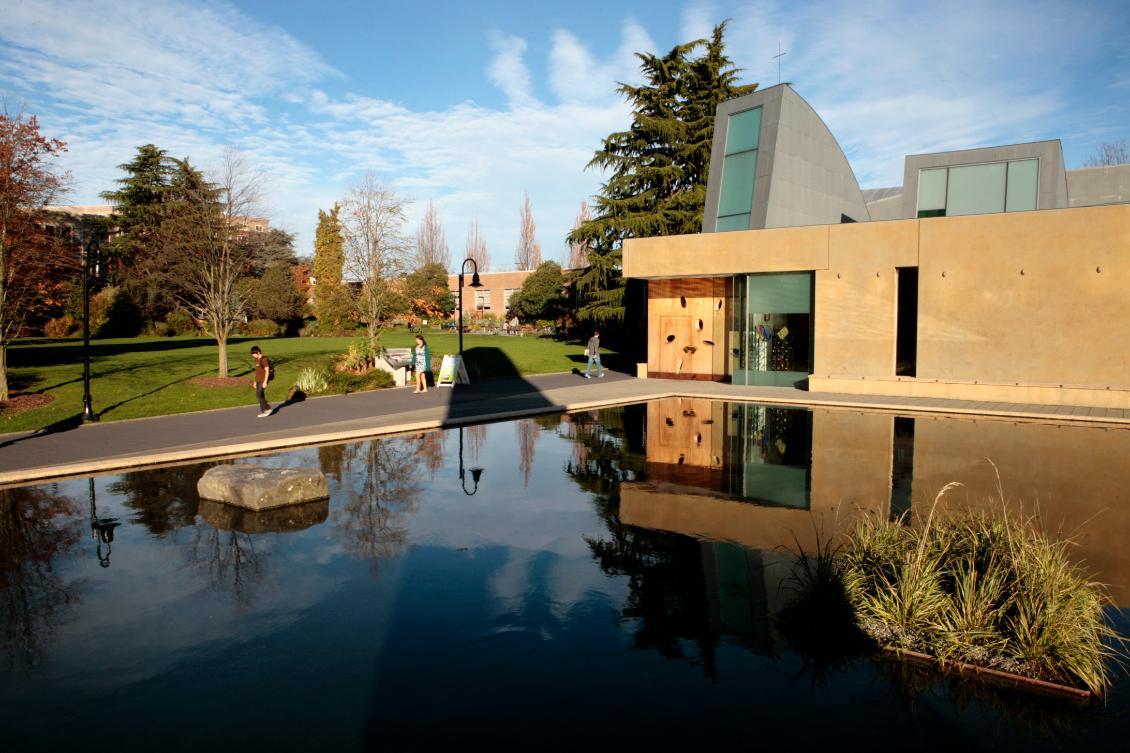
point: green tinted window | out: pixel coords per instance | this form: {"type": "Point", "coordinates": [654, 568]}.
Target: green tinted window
{"type": "Point", "coordinates": [776, 293]}
{"type": "Point", "coordinates": [732, 222]}
{"type": "Point", "coordinates": [738, 172]}
{"type": "Point", "coordinates": [975, 189]}
{"type": "Point", "coordinates": [1023, 176]}
{"type": "Point", "coordinates": [743, 131]}
{"type": "Point", "coordinates": [931, 189]}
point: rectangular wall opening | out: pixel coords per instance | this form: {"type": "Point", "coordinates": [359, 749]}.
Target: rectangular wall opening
{"type": "Point", "coordinates": [906, 323]}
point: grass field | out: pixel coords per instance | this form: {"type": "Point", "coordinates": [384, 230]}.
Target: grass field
{"type": "Point", "coordinates": [138, 377]}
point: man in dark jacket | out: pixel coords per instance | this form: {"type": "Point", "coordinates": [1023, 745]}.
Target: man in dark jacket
{"type": "Point", "coordinates": [262, 375]}
{"type": "Point", "coordinates": [593, 352]}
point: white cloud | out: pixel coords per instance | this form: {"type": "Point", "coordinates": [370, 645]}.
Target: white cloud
{"type": "Point", "coordinates": [508, 70]}
{"type": "Point", "coordinates": [889, 80]}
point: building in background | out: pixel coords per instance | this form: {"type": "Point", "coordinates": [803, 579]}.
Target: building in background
{"type": "Point", "coordinates": [991, 274]}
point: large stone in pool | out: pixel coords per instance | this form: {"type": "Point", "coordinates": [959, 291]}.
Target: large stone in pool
{"type": "Point", "coordinates": [256, 488]}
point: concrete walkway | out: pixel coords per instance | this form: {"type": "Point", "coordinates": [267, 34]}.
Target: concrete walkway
{"type": "Point", "coordinates": [103, 447]}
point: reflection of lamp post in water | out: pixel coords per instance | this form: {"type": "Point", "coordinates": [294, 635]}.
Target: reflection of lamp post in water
{"type": "Point", "coordinates": [476, 473]}
{"type": "Point", "coordinates": [102, 531]}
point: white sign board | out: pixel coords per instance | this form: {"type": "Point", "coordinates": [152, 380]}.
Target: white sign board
{"type": "Point", "coordinates": [452, 372]}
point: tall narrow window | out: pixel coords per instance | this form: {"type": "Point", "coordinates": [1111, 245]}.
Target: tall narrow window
{"type": "Point", "coordinates": [906, 323]}
{"type": "Point", "coordinates": [739, 170]}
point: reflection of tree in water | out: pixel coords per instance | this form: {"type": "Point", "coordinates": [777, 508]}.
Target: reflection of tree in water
{"type": "Point", "coordinates": [380, 490]}
{"type": "Point", "coordinates": [476, 438]}
{"type": "Point", "coordinates": [430, 446]}
{"type": "Point", "coordinates": [527, 432]}
{"type": "Point", "coordinates": [667, 591]}
{"type": "Point", "coordinates": [162, 499]}
{"type": "Point", "coordinates": [231, 562]}
{"type": "Point", "coordinates": [36, 526]}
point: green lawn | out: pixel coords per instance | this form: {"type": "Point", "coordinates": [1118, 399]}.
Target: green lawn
{"type": "Point", "coordinates": [137, 377]}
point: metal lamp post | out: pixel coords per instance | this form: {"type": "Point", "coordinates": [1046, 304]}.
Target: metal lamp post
{"type": "Point", "coordinates": [91, 267]}
{"type": "Point", "coordinates": [475, 283]}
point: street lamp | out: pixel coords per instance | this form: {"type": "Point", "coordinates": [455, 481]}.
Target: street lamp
{"type": "Point", "coordinates": [476, 473]}
{"type": "Point", "coordinates": [475, 283]}
{"type": "Point", "coordinates": [91, 267]}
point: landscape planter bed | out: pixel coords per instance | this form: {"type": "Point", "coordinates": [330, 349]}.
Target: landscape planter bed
{"type": "Point", "coordinates": [993, 676]}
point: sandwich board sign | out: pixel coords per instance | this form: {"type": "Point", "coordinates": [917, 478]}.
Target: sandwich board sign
{"type": "Point", "coordinates": [452, 372]}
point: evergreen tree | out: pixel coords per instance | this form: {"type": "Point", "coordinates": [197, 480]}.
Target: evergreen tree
{"type": "Point", "coordinates": [137, 251]}
{"type": "Point", "coordinates": [208, 260]}
{"type": "Point", "coordinates": [332, 306]}
{"type": "Point", "coordinates": [541, 297]}
{"type": "Point", "coordinates": [658, 166]}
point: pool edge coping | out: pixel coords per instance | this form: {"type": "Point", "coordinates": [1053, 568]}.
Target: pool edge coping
{"type": "Point", "coordinates": [238, 449]}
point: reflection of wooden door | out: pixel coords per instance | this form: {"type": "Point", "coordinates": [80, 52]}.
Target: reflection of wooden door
{"type": "Point", "coordinates": [674, 336]}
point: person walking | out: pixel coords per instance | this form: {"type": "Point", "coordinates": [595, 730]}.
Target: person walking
{"type": "Point", "coordinates": [262, 376]}
{"type": "Point", "coordinates": [423, 363]}
{"type": "Point", "coordinates": [593, 352]}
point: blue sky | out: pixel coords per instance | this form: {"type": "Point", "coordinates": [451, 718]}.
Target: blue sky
{"type": "Point", "coordinates": [472, 104]}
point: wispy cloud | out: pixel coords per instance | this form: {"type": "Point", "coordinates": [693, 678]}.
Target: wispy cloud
{"type": "Point", "coordinates": [888, 78]}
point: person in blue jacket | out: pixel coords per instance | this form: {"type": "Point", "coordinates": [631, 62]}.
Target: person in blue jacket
{"type": "Point", "coordinates": [423, 364]}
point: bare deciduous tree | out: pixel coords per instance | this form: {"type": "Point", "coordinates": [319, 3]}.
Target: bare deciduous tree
{"type": "Point", "coordinates": [528, 255]}
{"type": "Point", "coordinates": [477, 247]}
{"type": "Point", "coordinates": [206, 225]}
{"type": "Point", "coordinates": [1108, 154]}
{"type": "Point", "coordinates": [377, 253]}
{"type": "Point", "coordinates": [579, 250]}
{"type": "Point", "coordinates": [431, 243]}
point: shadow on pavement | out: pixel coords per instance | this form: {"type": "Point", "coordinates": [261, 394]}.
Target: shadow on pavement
{"type": "Point", "coordinates": [63, 424]}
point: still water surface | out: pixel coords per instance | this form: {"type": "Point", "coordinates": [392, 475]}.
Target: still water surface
{"type": "Point", "coordinates": [598, 579]}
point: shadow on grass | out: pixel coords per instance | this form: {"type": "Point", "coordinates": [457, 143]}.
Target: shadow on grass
{"type": "Point", "coordinates": [59, 352]}
{"type": "Point", "coordinates": [153, 391]}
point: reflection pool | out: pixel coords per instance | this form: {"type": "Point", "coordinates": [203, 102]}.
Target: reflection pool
{"type": "Point", "coordinates": [597, 579]}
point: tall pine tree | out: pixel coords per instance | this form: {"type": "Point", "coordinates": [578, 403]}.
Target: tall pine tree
{"type": "Point", "coordinates": [658, 166]}
{"type": "Point", "coordinates": [137, 250]}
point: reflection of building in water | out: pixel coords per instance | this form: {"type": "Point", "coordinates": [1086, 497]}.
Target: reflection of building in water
{"type": "Point", "coordinates": [772, 479]}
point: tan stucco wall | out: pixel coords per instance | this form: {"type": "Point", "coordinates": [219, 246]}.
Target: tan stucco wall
{"type": "Point", "coordinates": [709, 254]}
{"type": "Point", "coordinates": [1060, 322]}
{"type": "Point", "coordinates": [856, 296]}
{"type": "Point", "coordinates": [1056, 333]}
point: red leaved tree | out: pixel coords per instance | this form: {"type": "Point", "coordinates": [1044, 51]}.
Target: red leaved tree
{"type": "Point", "coordinates": [29, 255]}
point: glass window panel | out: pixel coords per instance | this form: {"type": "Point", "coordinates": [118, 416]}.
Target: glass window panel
{"type": "Point", "coordinates": [975, 189]}
{"type": "Point", "coordinates": [738, 171]}
{"type": "Point", "coordinates": [743, 131]}
{"type": "Point", "coordinates": [733, 222]}
{"type": "Point", "coordinates": [790, 292]}
{"type": "Point", "coordinates": [931, 190]}
{"type": "Point", "coordinates": [1023, 177]}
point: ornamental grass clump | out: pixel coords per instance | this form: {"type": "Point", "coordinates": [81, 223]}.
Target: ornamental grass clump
{"type": "Point", "coordinates": [986, 589]}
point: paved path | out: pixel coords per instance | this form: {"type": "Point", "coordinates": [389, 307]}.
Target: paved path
{"type": "Point", "coordinates": [102, 447]}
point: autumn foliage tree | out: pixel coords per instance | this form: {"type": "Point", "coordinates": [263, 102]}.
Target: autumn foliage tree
{"type": "Point", "coordinates": [29, 256]}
